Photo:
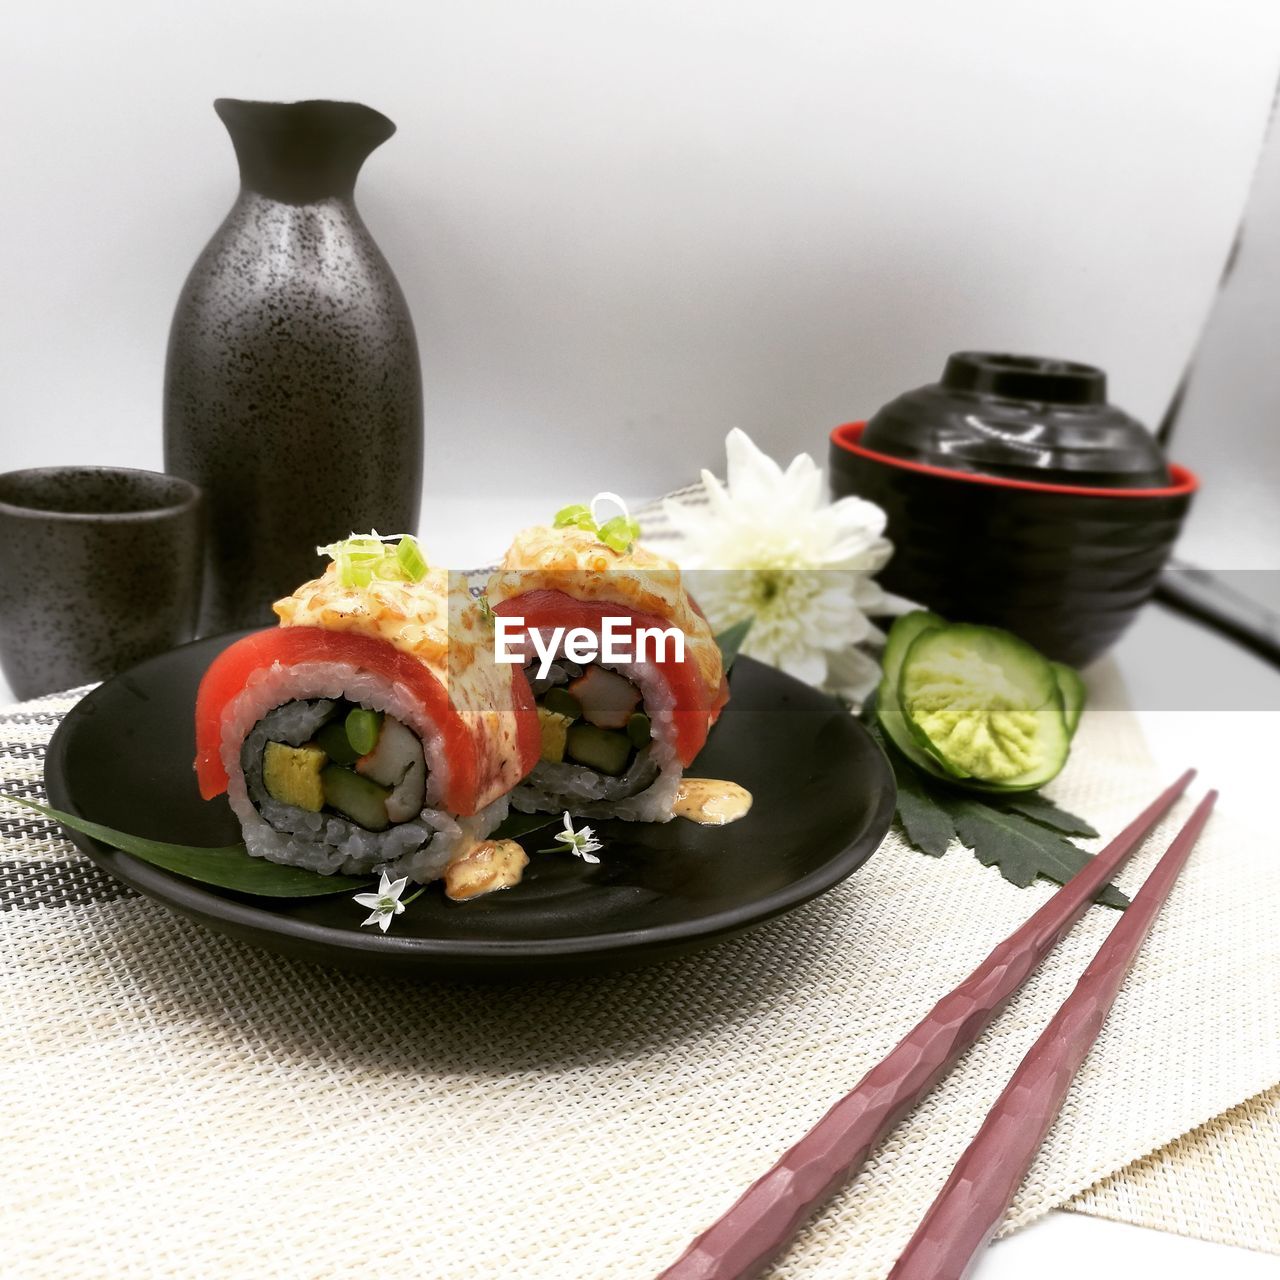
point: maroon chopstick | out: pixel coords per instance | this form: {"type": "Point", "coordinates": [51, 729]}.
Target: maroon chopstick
{"type": "Point", "coordinates": [982, 1185]}
{"type": "Point", "coordinates": [762, 1222]}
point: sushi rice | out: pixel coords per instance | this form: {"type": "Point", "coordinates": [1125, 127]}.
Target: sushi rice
{"type": "Point", "coordinates": [288, 704]}
{"type": "Point", "coordinates": [565, 785]}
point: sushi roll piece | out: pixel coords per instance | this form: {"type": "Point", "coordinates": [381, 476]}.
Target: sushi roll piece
{"type": "Point", "coordinates": [616, 737]}
{"type": "Point", "coordinates": [372, 729]}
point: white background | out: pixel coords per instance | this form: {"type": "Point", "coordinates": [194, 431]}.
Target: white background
{"type": "Point", "coordinates": [624, 228]}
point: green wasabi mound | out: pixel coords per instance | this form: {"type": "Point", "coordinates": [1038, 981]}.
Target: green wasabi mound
{"type": "Point", "coordinates": [976, 705]}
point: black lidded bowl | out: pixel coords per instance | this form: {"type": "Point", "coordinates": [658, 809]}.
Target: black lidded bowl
{"type": "Point", "coordinates": [1017, 497]}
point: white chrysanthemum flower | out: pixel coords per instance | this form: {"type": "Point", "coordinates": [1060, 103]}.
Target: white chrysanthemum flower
{"type": "Point", "coordinates": [768, 546]}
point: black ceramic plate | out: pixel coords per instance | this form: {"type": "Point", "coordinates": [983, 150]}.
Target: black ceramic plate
{"type": "Point", "coordinates": [824, 799]}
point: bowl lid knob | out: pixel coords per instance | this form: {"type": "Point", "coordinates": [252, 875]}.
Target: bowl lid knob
{"type": "Point", "coordinates": [1020, 417]}
{"type": "Point", "coordinates": [1025, 378]}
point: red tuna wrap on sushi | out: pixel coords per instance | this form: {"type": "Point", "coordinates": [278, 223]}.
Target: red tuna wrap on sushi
{"type": "Point", "coordinates": [483, 765]}
{"type": "Point", "coordinates": [420, 655]}
{"type": "Point", "coordinates": [567, 577]}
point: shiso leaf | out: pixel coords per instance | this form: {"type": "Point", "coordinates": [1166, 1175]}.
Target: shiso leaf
{"type": "Point", "coordinates": [927, 827]}
{"type": "Point", "coordinates": [232, 867]}
{"type": "Point", "coordinates": [999, 833]}
{"type": "Point", "coordinates": [1019, 848]}
{"type": "Point", "coordinates": [1031, 804]}
{"type": "Point", "coordinates": [731, 640]}
{"type": "Point", "coordinates": [226, 867]}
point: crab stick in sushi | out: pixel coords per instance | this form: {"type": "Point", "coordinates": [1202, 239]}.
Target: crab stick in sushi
{"type": "Point", "coordinates": [616, 733]}
{"type": "Point", "coordinates": [372, 729]}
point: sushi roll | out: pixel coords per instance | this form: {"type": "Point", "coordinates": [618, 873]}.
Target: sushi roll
{"type": "Point", "coordinates": [616, 736]}
{"type": "Point", "coordinates": [372, 729]}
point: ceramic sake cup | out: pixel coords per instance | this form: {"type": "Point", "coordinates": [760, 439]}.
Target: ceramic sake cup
{"type": "Point", "coordinates": [99, 568]}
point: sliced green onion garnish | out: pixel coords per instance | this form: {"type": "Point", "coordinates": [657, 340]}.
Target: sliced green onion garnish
{"type": "Point", "coordinates": [410, 558]}
{"type": "Point", "coordinates": [356, 558]}
{"type": "Point", "coordinates": [352, 573]}
{"type": "Point", "coordinates": [576, 516]}
{"type": "Point", "coordinates": [619, 533]}
{"type": "Point", "coordinates": [365, 556]}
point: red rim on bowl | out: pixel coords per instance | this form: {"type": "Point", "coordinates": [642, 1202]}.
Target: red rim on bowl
{"type": "Point", "coordinates": [847, 437]}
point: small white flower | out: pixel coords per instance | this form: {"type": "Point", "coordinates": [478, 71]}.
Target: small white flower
{"type": "Point", "coordinates": [768, 546]}
{"type": "Point", "coordinates": [384, 905]}
{"type": "Point", "coordinates": [581, 844]}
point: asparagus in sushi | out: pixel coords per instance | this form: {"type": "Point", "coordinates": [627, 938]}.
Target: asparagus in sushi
{"type": "Point", "coordinates": [616, 735]}
{"type": "Point", "coordinates": [372, 730]}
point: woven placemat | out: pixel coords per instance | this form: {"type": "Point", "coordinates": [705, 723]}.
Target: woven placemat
{"type": "Point", "coordinates": [179, 1104]}
{"type": "Point", "coordinates": [1220, 1182]}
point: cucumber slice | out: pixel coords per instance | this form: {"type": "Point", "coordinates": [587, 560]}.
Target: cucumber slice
{"type": "Point", "coordinates": [986, 704]}
{"type": "Point", "coordinates": [1072, 689]}
{"type": "Point", "coordinates": [901, 635]}
{"type": "Point", "coordinates": [361, 800]}
{"type": "Point", "coordinates": [602, 749]}
{"type": "Point", "coordinates": [333, 739]}
{"type": "Point", "coordinates": [562, 702]}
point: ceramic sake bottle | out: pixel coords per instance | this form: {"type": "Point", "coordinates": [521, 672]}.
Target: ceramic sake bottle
{"type": "Point", "coordinates": [293, 394]}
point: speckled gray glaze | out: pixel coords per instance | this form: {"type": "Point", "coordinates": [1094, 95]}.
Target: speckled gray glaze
{"type": "Point", "coordinates": [99, 569]}
{"type": "Point", "coordinates": [293, 393]}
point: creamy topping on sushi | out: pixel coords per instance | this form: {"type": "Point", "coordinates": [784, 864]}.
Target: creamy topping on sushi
{"type": "Point", "coordinates": [712, 802]}
{"type": "Point", "coordinates": [435, 621]}
{"type": "Point", "coordinates": [485, 868]}
{"type": "Point", "coordinates": [412, 616]}
{"type": "Point", "coordinates": [576, 562]}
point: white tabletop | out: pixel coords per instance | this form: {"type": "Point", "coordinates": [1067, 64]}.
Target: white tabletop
{"type": "Point", "coordinates": [1204, 725]}
{"type": "Point", "coordinates": [1233, 748]}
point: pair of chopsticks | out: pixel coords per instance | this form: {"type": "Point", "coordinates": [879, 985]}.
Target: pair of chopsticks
{"type": "Point", "coordinates": [963, 1218]}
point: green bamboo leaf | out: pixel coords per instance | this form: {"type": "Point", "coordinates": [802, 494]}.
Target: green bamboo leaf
{"type": "Point", "coordinates": [731, 640]}
{"type": "Point", "coordinates": [227, 867]}
{"type": "Point", "coordinates": [516, 825]}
